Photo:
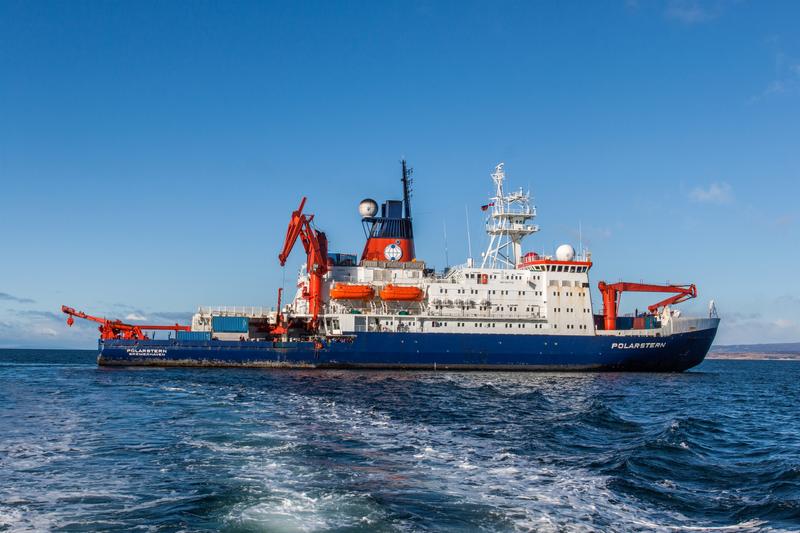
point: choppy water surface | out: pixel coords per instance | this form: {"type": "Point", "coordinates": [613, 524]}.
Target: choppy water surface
{"type": "Point", "coordinates": [87, 448]}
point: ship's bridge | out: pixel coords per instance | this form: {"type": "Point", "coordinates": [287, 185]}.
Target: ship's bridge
{"type": "Point", "coordinates": [537, 263]}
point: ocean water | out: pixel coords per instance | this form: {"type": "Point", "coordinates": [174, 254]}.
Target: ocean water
{"type": "Point", "coordinates": [88, 448]}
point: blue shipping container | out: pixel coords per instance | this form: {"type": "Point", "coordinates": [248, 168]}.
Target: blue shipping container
{"type": "Point", "coordinates": [624, 322]}
{"type": "Point", "coordinates": [229, 324]}
{"type": "Point", "coordinates": [193, 335]}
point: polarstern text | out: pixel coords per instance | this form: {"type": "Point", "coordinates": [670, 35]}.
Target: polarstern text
{"type": "Point", "coordinates": [637, 345]}
{"type": "Point", "coordinates": [147, 352]}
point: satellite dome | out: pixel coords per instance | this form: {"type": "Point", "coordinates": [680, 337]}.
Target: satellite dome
{"type": "Point", "coordinates": [565, 252]}
{"type": "Point", "coordinates": [368, 208]}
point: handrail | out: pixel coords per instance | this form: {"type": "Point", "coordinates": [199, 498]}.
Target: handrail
{"type": "Point", "coordinates": [223, 310]}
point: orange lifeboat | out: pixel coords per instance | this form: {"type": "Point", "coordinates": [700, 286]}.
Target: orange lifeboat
{"type": "Point", "coordinates": [344, 291]}
{"type": "Point", "coordinates": [402, 293]}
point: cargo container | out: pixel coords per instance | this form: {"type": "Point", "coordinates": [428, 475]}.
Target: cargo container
{"type": "Point", "coordinates": [229, 324]}
{"type": "Point", "coordinates": [193, 335]}
{"type": "Point", "coordinates": [624, 322]}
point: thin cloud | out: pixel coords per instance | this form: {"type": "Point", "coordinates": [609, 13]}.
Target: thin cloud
{"type": "Point", "coordinates": [716, 193]}
{"type": "Point", "coordinates": [41, 328]}
{"type": "Point", "coordinates": [786, 220]}
{"type": "Point", "coordinates": [788, 301]}
{"type": "Point", "coordinates": [135, 316]}
{"type": "Point", "coordinates": [46, 332]}
{"type": "Point", "coordinates": [786, 75]}
{"type": "Point", "coordinates": [776, 87]}
{"type": "Point", "coordinates": [757, 330]}
{"type": "Point", "coordinates": [689, 12]}
{"type": "Point", "coordinates": [4, 296]}
{"type": "Point", "coordinates": [173, 316]}
{"type": "Point", "coordinates": [41, 314]}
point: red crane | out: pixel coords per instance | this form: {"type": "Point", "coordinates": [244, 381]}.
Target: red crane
{"type": "Point", "coordinates": [116, 329]}
{"type": "Point", "coordinates": [316, 245]}
{"type": "Point", "coordinates": [613, 291]}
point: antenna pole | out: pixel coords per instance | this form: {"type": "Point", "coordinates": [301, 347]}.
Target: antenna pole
{"type": "Point", "coordinates": [469, 239]}
{"type": "Point", "coordinates": [446, 258]}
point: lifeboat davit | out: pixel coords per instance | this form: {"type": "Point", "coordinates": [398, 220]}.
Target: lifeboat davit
{"type": "Point", "coordinates": [344, 291]}
{"type": "Point", "coordinates": [402, 293]}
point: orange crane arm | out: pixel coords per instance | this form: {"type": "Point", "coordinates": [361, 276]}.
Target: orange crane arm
{"type": "Point", "coordinates": [612, 292]}
{"type": "Point", "coordinates": [114, 329]}
{"type": "Point", "coordinates": [296, 224]}
{"type": "Point", "coordinates": [316, 247]}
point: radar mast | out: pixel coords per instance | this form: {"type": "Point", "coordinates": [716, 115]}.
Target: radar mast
{"type": "Point", "coordinates": [507, 224]}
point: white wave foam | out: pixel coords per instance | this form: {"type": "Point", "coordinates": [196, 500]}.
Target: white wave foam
{"type": "Point", "coordinates": [286, 510]}
{"type": "Point", "coordinates": [402, 456]}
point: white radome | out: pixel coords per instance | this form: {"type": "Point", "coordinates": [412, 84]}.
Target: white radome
{"type": "Point", "coordinates": [565, 252]}
{"type": "Point", "coordinates": [368, 208]}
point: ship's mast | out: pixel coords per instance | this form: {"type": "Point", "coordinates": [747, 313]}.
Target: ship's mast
{"type": "Point", "coordinates": [407, 180]}
{"type": "Point", "coordinates": [507, 224]}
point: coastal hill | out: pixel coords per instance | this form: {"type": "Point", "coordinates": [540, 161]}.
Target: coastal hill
{"type": "Point", "coordinates": [783, 350]}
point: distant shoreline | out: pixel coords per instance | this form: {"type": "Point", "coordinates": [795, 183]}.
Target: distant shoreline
{"type": "Point", "coordinates": [754, 356]}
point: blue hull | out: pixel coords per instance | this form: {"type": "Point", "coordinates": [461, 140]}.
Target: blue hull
{"type": "Point", "coordinates": [674, 353]}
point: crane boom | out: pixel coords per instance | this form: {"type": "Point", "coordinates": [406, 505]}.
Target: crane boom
{"type": "Point", "coordinates": [315, 244]}
{"type": "Point", "coordinates": [116, 329]}
{"type": "Point", "coordinates": [612, 292]}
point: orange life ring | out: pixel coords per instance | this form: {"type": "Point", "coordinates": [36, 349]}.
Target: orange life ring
{"type": "Point", "coordinates": [484, 279]}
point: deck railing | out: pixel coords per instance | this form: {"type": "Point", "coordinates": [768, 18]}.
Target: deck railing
{"type": "Point", "coordinates": [236, 310]}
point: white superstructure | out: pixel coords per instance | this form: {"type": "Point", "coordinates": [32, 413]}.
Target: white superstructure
{"type": "Point", "coordinates": [508, 293]}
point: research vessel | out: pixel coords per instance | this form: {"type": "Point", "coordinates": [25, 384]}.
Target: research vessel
{"type": "Point", "coordinates": [510, 310]}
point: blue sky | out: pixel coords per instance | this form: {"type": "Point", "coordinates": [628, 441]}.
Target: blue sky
{"type": "Point", "coordinates": [150, 153]}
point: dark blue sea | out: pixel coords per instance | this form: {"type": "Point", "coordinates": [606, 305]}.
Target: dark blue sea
{"type": "Point", "coordinates": [113, 449]}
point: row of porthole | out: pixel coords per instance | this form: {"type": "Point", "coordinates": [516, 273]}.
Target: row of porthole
{"type": "Point", "coordinates": [488, 325]}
